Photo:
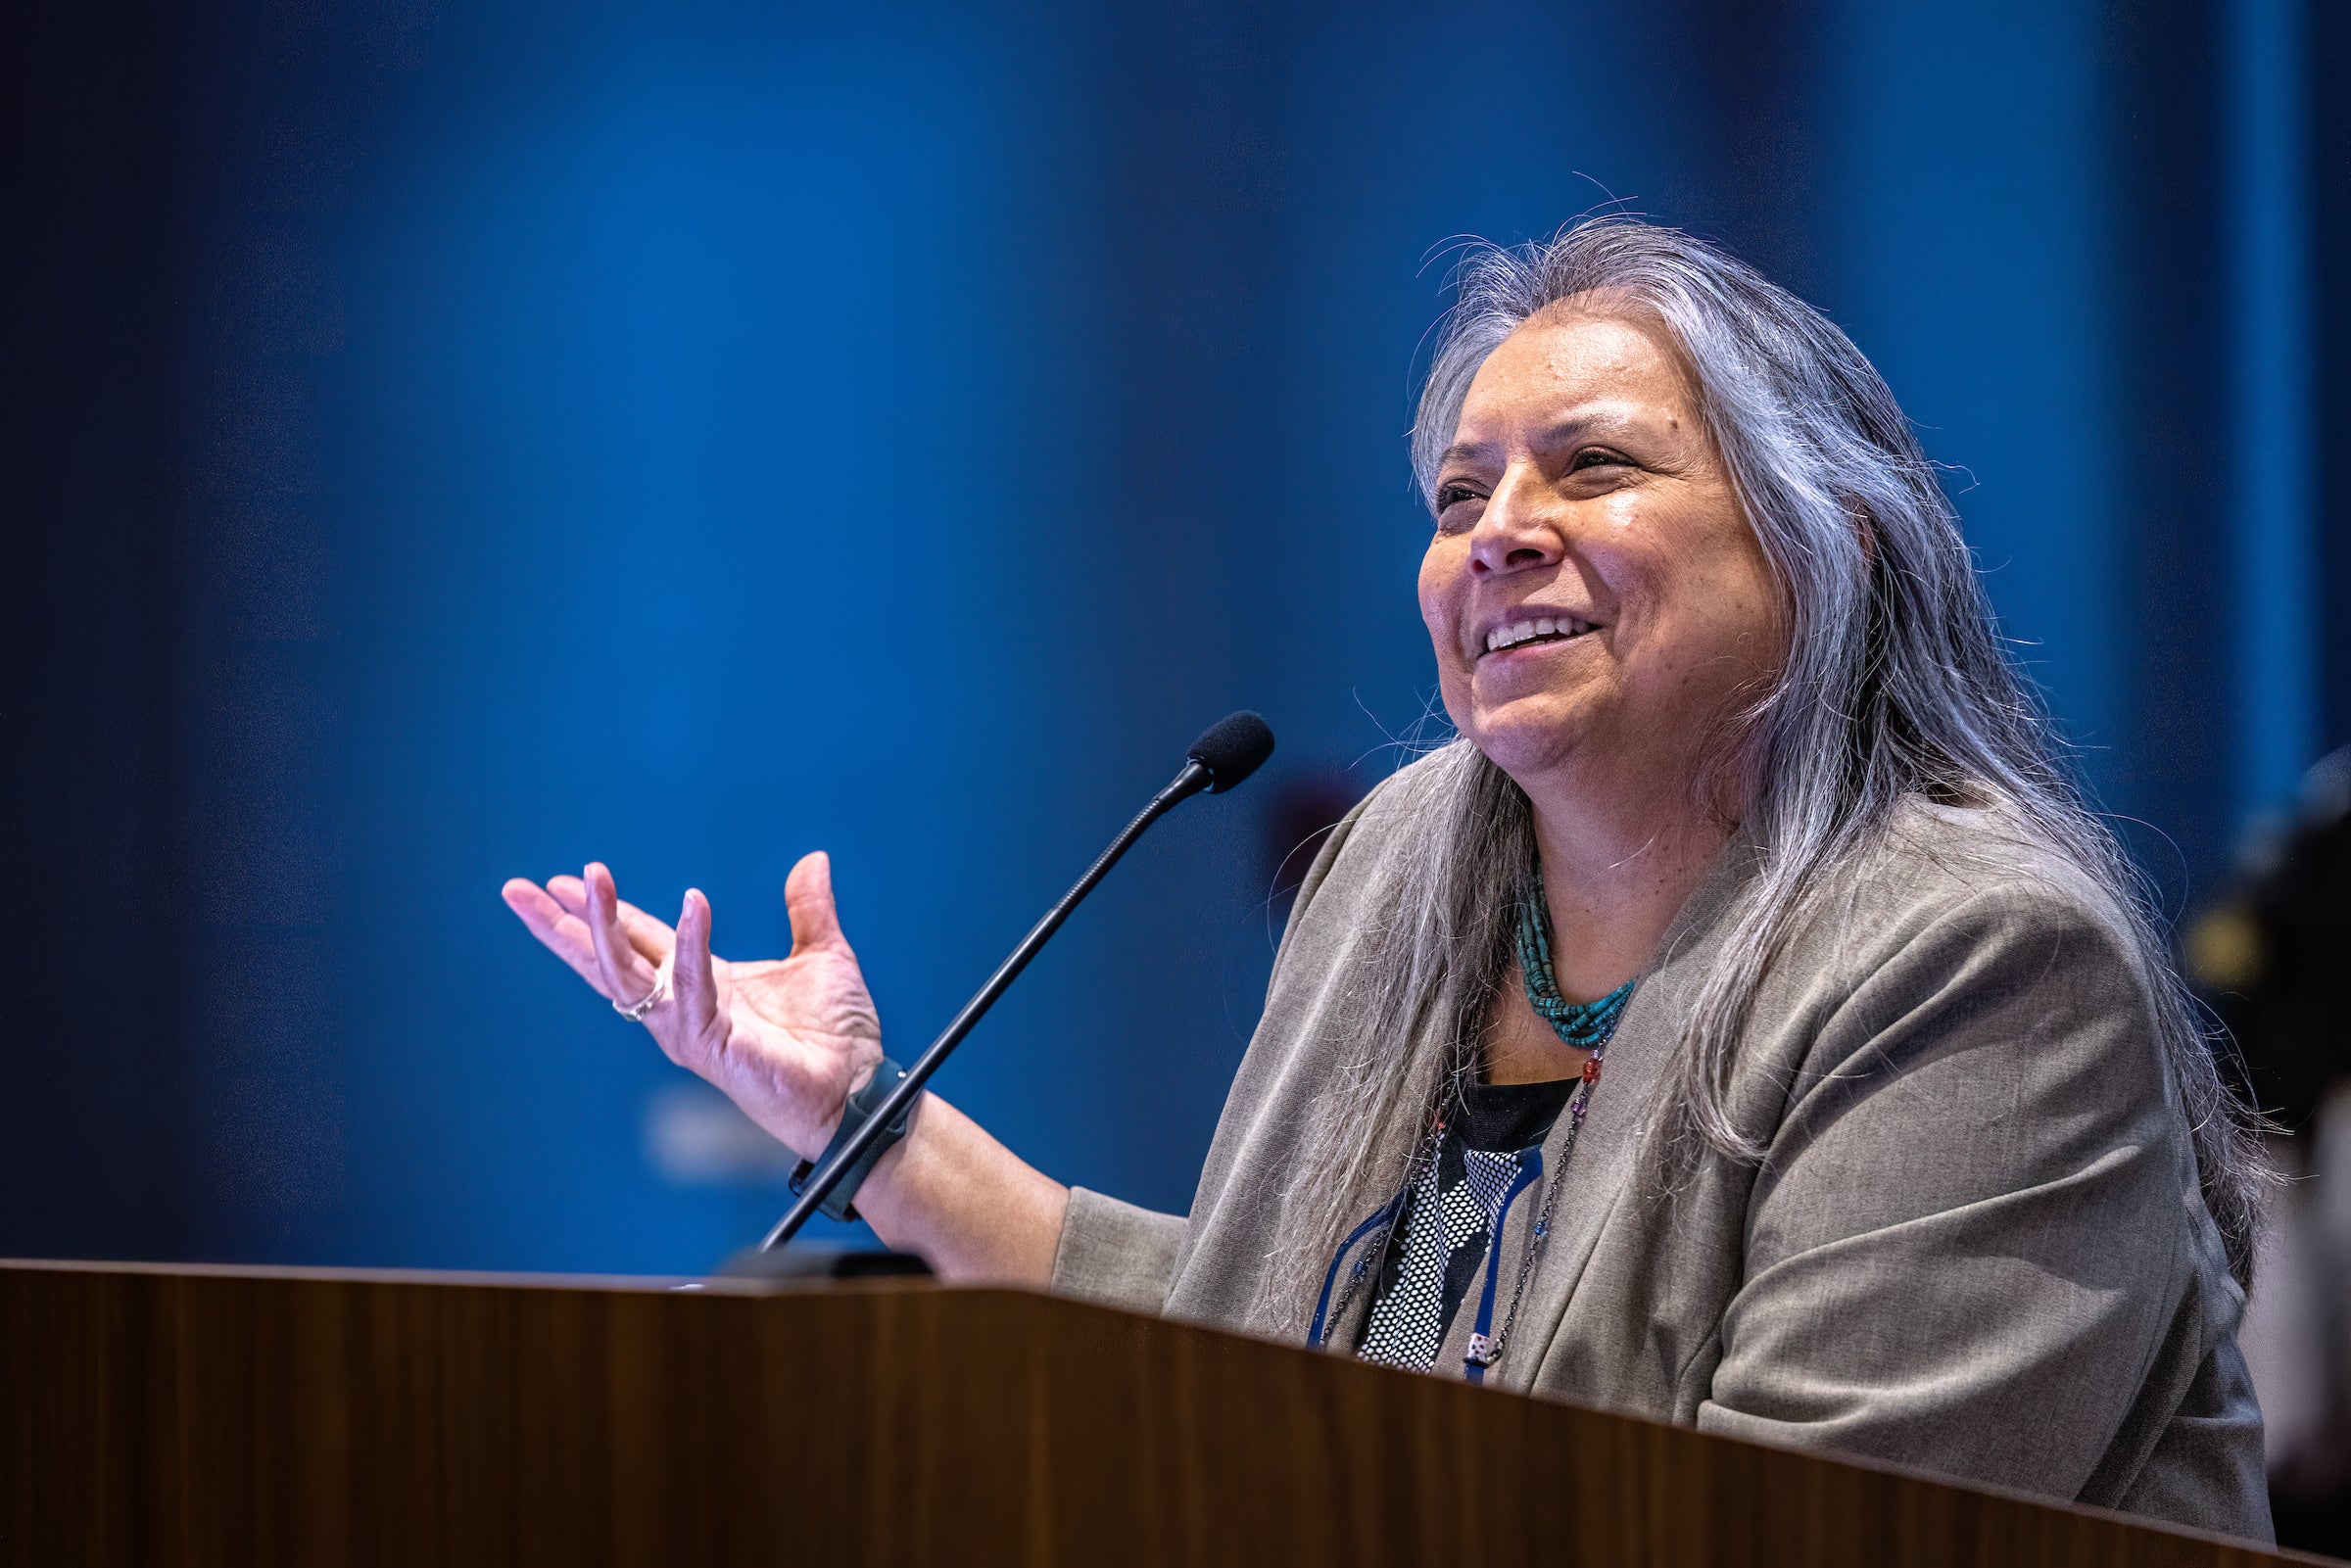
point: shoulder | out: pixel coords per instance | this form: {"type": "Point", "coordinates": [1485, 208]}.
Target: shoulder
{"type": "Point", "coordinates": [1970, 934]}
{"type": "Point", "coordinates": [1979, 852]}
{"type": "Point", "coordinates": [1971, 1013]}
{"type": "Point", "coordinates": [1941, 877]}
{"type": "Point", "coordinates": [1366, 865]}
{"type": "Point", "coordinates": [1356, 853]}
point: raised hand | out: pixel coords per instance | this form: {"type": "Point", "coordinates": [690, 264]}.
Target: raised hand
{"type": "Point", "coordinates": [785, 1039]}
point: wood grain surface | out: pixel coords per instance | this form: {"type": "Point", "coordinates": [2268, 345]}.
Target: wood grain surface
{"type": "Point", "coordinates": [253, 1419]}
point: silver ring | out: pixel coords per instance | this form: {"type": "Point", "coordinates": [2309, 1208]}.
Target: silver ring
{"type": "Point", "coordinates": [636, 1010]}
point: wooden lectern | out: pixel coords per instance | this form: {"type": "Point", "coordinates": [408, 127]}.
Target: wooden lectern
{"type": "Point", "coordinates": [251, 1417]}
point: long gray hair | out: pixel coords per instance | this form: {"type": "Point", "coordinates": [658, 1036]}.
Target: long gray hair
{"type": "Point", "coordinates": [1894, 683]}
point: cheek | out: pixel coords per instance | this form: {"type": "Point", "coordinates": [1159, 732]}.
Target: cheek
{"type": "Point", "coordinates": [1746, 600]}
{"type": "Point", "coordinates": [1694, 571]}
{"type": "Point", "coordinates": [1725, 616]}
{"type": "Point", "coordinates": [1440, 577]}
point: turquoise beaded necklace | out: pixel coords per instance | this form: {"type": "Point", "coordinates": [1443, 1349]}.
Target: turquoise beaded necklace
{"type": "Point", "coordinates": [1586, 1026]}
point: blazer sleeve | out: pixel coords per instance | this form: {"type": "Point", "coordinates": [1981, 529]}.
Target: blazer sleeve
{"type": "Point", "coordinates": [1115, 1254]}
{"type": "Point", "coordinates": [1122, 1256]}
{"type": "Point", "coordinates": [1966, 1250]}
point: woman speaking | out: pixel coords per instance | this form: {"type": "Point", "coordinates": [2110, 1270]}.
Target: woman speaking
{"type": "Point", "coordinates": [1742, 1024]}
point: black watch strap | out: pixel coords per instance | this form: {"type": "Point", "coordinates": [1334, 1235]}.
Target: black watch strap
{"type": "Point", "coordinates": [839, 1204]}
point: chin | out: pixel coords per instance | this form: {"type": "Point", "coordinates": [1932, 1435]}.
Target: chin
{"type": "Point", "coordinates": [1528, 737]}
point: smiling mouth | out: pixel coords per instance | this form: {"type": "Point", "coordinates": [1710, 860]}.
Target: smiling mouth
{"type": "Point", "coordinates": [1541, 628]}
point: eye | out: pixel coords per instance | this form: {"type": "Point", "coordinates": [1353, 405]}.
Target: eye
{"type": "Point", "coordinates": [1597, 457]}
{"type": "Point", "coordinates": [1452, 495]}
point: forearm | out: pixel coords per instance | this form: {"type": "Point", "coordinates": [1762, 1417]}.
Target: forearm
{"type": "Point", "coordinates": [973, 1209]}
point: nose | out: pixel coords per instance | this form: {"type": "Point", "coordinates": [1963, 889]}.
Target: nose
{"type": "Point", "coordinates": [1513, 534]}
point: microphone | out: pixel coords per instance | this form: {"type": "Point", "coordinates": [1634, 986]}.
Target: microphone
{"type": "Point", "coordinates": [1229, 751]}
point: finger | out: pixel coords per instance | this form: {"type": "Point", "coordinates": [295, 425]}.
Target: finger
{"type": "Point", "coordinates": [570, 892]}
{"type": "Point", "coordinates": [628, 978]}
{"type": "Point", "coordinates": [645, 932]}
{"type": "Point", "coordinates": [649, 936]}
{"type": "Point", "coordinates": [563, 933]}
{"type": "Point", "coordinates": [690, 979]}
{"type": "Point", "coordinates": [809, 900]}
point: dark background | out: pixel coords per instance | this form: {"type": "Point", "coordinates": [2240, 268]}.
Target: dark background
{"type": "Point", "coordinates": [451, 441]}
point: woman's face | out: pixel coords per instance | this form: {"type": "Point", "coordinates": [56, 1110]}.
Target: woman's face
{"type": "Point", "coordinates": [1593, 582]}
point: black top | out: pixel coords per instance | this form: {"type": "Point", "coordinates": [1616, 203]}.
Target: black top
{"type": "Point", "coordinates": [1505, 1118]}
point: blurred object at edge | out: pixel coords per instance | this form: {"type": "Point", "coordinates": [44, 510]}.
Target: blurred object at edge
{"type": "Point", "coordinates": [2273, 960]}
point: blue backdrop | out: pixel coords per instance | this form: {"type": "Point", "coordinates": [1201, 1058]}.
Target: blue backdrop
{"type": "Point", "coordinates": [691, 434]}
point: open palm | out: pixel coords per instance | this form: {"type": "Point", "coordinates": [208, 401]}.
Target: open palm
{"type": "Point", "coordinates": [785, 1039]}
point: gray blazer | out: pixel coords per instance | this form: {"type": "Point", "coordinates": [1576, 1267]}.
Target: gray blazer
{"type": "Point", "coordinates": [1976, 1246]}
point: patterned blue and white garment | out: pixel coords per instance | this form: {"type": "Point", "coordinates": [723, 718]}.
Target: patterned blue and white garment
{"type": "Point", "coordinates": [1490, 1131]}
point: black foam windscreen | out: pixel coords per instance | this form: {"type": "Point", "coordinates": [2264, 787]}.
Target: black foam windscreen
{"type": "Point", "coordinates": [1232, 748]}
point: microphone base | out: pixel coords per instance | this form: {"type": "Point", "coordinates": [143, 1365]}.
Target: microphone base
{"type": "Point", "coordinates": [809, 1261]}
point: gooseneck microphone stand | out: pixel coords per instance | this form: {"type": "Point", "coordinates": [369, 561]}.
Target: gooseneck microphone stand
{"type": "Point", "coordinates": [1227, 753]}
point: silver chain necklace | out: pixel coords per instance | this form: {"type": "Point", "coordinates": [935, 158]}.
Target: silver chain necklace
{"type": "Point", "coordinates": [1485, 1350]}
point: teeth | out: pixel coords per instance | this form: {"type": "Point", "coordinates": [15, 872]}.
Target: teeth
{"type": "Point", "coordinates": [1502, 636]}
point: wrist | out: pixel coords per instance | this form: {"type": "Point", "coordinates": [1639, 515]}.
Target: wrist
{"type": "Point", "coordinates": [813, 1137]}
{"type": "Point", "coordinates": [864, 1101]}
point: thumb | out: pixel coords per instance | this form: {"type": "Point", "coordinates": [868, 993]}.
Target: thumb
{"type": "Point", "coordinates": [809, 900]}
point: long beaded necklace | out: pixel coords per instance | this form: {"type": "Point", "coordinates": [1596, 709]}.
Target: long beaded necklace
{"type": "Point", "coordinates": [1585, 1025]}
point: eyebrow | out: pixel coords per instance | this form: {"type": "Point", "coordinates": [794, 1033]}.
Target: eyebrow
{"type": "Point", "coordinates": [1605, 416]}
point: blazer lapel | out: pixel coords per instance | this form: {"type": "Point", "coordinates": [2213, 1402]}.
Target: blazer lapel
{"type": "Point", "coordinates": [1598, 1173]}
